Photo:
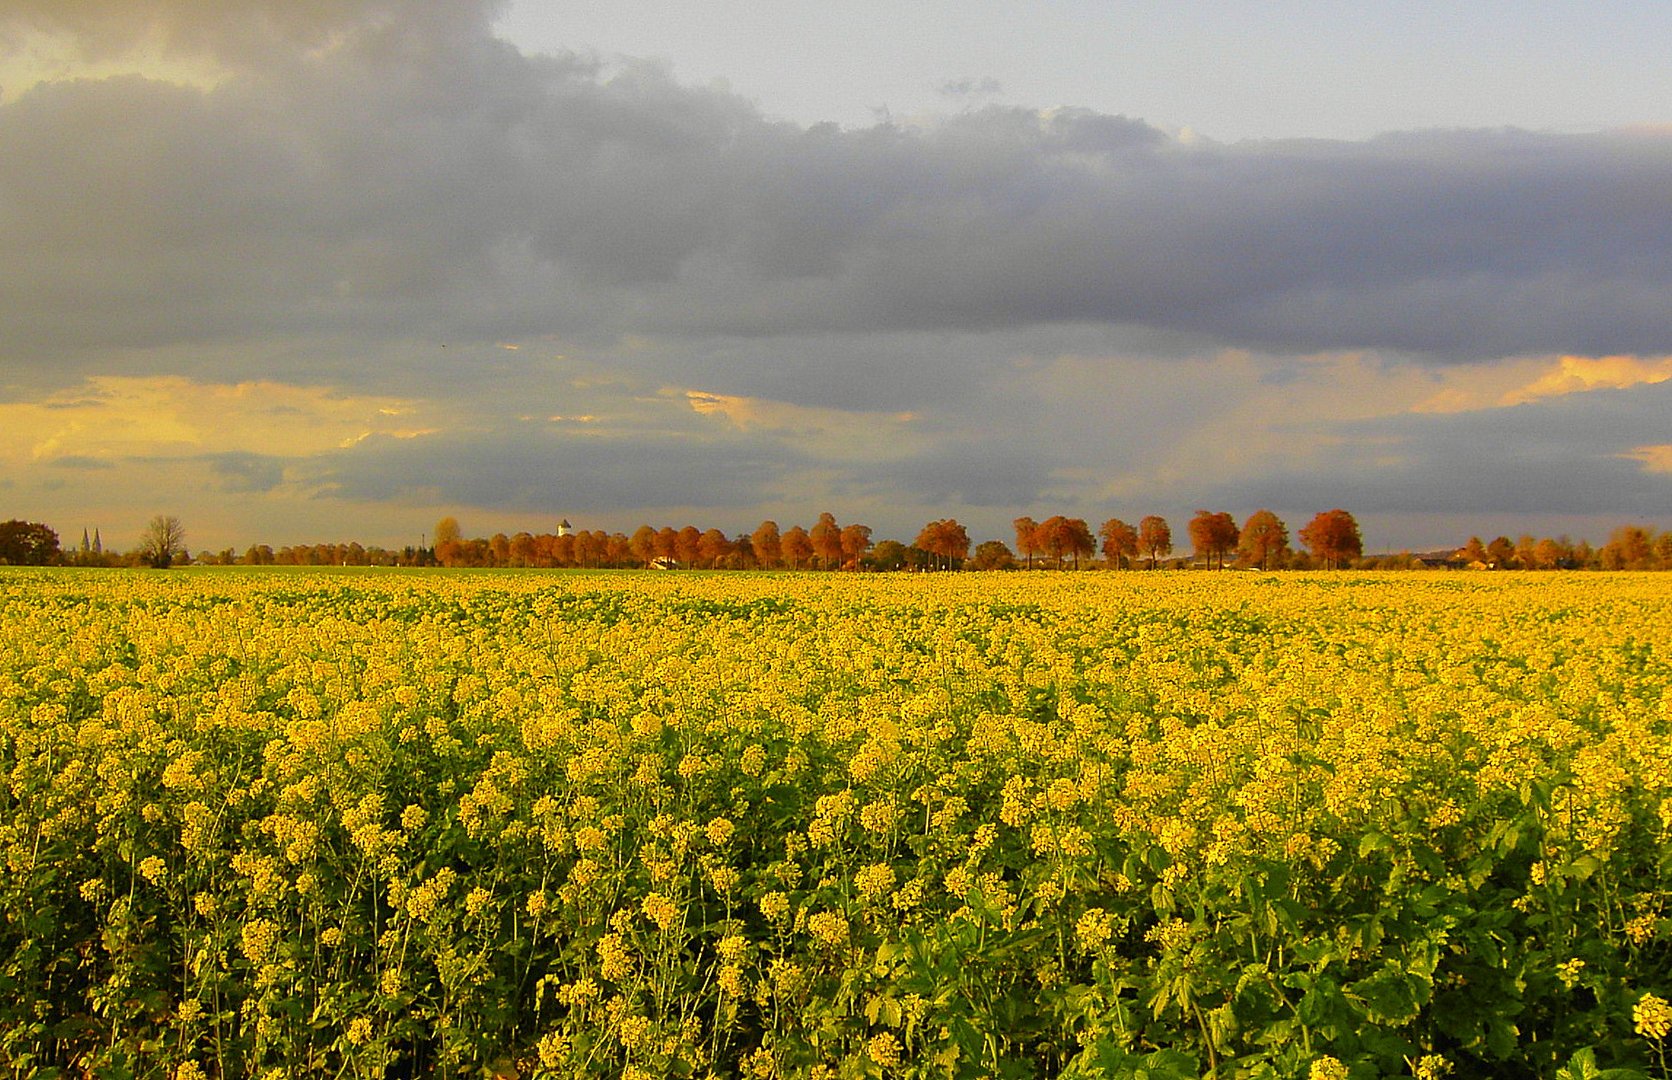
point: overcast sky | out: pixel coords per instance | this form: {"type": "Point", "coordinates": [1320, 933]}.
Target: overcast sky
{"type": "Point", "coordinates": [331, 270]}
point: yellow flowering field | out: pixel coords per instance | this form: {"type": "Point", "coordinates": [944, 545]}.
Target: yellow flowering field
{"type": "Point", "coordinates": [388, 823]}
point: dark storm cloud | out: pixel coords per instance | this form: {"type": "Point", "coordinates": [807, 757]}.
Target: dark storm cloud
{"type": "Point", "coordinates": [972, 473]}
{"type": "Point", "coordinates": [246, 471]}
{"type": "Point", "coordinates": [378, 169]}
{"type": "Point", "coordinates": [987, 86]}
{"type": "Point", "coordinates": [531, 470]}
{"type": "Point", "coordinates": [881, 371]}
{"type": "Point", "coordinates": [79, 462]}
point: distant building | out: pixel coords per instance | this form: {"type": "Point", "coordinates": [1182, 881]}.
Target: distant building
{"type": "Point", "coordinates": [563, 527]}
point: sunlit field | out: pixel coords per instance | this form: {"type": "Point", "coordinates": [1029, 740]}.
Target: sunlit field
{"type": "Point", "coordinates": [409, 823]}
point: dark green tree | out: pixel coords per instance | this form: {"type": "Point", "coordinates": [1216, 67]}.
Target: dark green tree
{"type": "Point", "coordinates": [27, 543]}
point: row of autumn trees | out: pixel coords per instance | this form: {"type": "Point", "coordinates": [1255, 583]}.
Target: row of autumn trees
{"type": "Point", "coordinates": [1215, 539]}
{"type": "Point", "coordinates": [1332, 538]}
{"type": "Point", "coordinates": [824, 546]}
{"type": "Point", "coordinates": [1629, 547]}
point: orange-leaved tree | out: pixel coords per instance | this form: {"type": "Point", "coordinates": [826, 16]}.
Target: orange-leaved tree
{"type": "Point", "coordinates": [1264, 538]}
{"type": "Point", "coordinates": [687, 545]}
{"type": "Point", "coordinates": [1629, 547]}
{"type": "Point", "coordinates": [1212, 535]}
{"type": "Point", "coordinates": [797, 546]}
{"type": "Point", "coordinates": [1078, 539]}
{"type": "Point", "coordinates": [1058, 536]}
{"type": "Point", "coordinates": [712, 547]}
{"type": "Point", "coordinates": [856, 541]}
{"type": "Point", "coordinates": [1333, 536]}
{"type": "Point", "coordinates": [447, 542]}
{"type": "Point", "coordinates": [1120, 542]}
{"type": "Point", "coordinates": [1027, 538]}
{"type": "Point", "coordinates": [767, 544]}
{"type": "Point", "coordinates": [643, 544]}
{"type": "Point", "coordinates": [945, 538]}
{"type": "Point", "coordinates": [667, 543]}
{"type": "Point", "coordinates": [1155, 538]}
{"type": "Point", "coordinates": [1051, 536]}
{"type": "Point", "coordinates": [826, 538]}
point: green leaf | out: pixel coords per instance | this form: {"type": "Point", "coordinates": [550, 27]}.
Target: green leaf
{"type": "Point", "coordinates": [1372, 842]}
{"type": "Point", "coordinates": [1583, 1066]}
{"type": "Point", "coordinates": [1391, 996]}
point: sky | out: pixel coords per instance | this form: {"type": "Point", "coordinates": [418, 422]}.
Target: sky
{"type": "Point", "coordinates": [327, 270]}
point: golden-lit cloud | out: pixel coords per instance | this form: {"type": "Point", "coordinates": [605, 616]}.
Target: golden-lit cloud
{"type": "Point", "coordinates": [750, 412]}
{"type": "Point", "coordinates": [113, 417]}
{"type": "Point", "coordinates": [1578, 374]}
{"type": "Point", "coordinates": [833, 434]}
{"type": "Point", "coordinates": [29, 58]}
{"type": "Point", "coordinates": [1450, 399]}
{"type": "Point", "coordinates": [1655, 459]}
{"type": "Point", "coordinates": [1525, 380]}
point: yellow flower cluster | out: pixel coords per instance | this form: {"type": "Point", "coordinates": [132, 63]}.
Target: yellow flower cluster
{"type": "Point", "coordinates": [1652, 1017]}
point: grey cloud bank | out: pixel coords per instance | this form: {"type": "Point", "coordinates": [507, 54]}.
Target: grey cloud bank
{"type": "Point", "coordinates": [412, 176]}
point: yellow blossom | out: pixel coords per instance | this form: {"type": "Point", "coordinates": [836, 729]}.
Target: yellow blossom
{"type": "Point", "coordinates": [884, 1049]}
{"type": "Point", "coordinates": [1652, 1017]}
{"type": "Point", "coordinates": [1327, 1068]}
{"type": "Point", "coordinates": [830, 927]}
{"type": "Point", "coordinates": [660, 910]}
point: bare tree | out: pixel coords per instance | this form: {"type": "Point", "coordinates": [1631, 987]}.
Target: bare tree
{"type": "Point", "coordinates": [163, 541]}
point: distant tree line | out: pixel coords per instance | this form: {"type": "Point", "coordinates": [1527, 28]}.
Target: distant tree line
{"type": "Point", "coordinates": [1331, 540]}
{"type": "Point", "coordinates": [1629, 547]}
{"type": "Point", "coordinates": [825, 546]}
{"type": "Point", "coordinates": [1262, 542]}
